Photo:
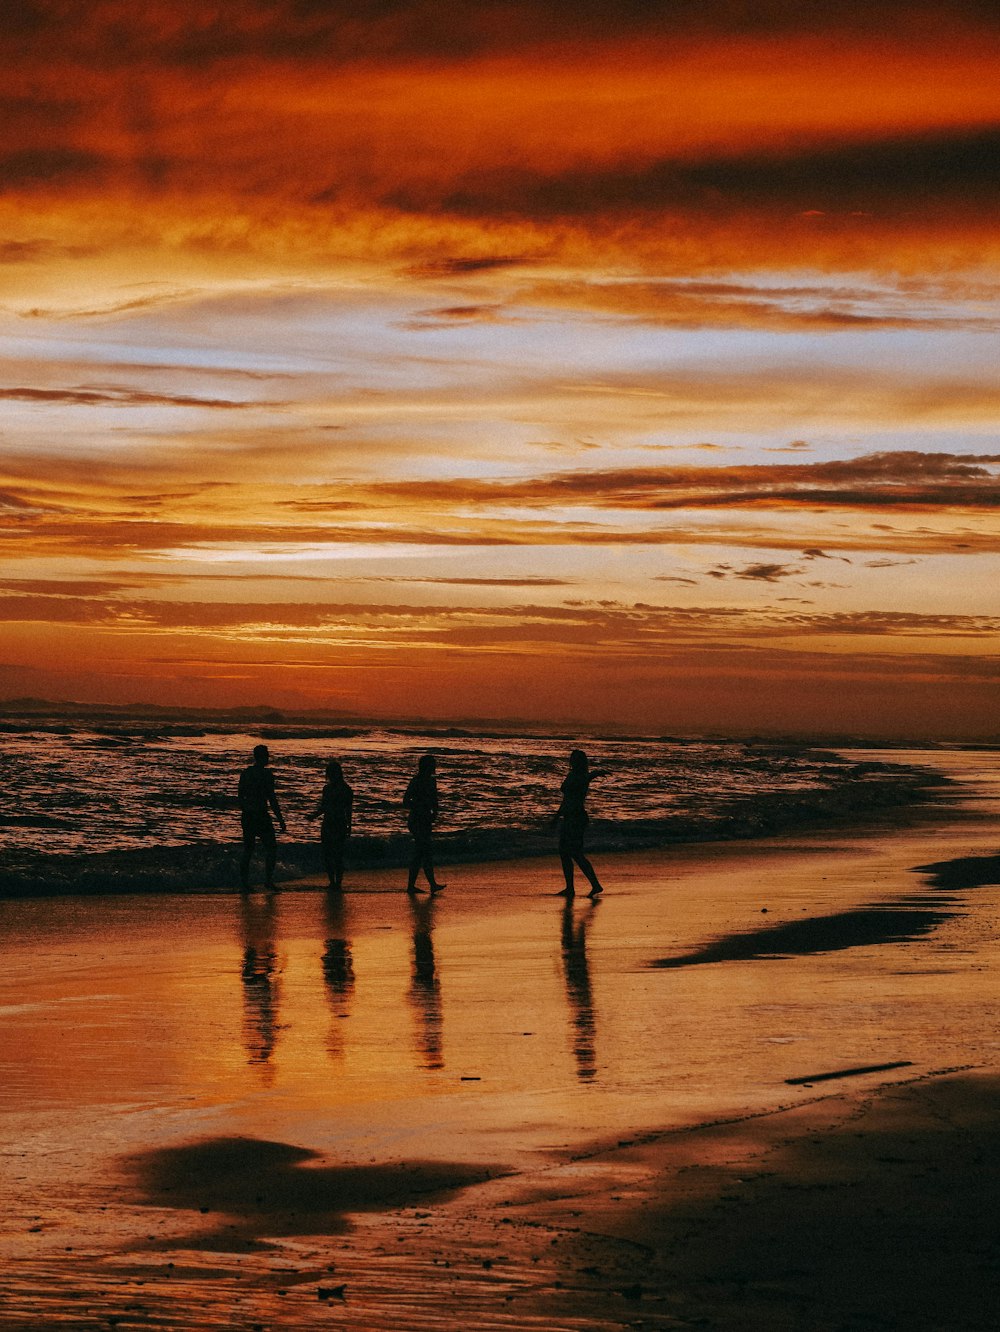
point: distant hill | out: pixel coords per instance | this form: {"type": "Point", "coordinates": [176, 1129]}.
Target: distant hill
{"type": "Point", "coordinates": [46, 707]}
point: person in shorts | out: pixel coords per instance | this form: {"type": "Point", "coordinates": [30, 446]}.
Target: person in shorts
{"type": "Point", "coordinates": [421, 805]}
{"type": "Point", "coordinates": [257, 801]}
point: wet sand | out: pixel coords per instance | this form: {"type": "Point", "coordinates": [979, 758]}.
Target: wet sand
{"type": "Point", "coordinates": [500, 1110]}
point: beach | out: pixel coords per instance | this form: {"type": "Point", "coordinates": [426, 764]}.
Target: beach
{"type": "Point", "coordinates": [499, 743]}
{"type": "Point", "coordinates": [500, 1109]}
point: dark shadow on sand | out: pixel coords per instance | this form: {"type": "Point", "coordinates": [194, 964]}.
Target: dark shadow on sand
{"type": "Point", "coordinates": [817, 934]}
{"type": "Point", "coordinates": [252, 1189]}
{"type": "Point", "coordinates": [899, 921]}
{"type": "Point", "coordinates": [962, 872]}
{"type": "Point", "coordinates": [880, 1216]}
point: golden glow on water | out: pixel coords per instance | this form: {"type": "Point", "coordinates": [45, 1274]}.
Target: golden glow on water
{"type": "Point", "coordinates": [216, 1089]}
{"type": "Point", "coordinates": [494, 1005]}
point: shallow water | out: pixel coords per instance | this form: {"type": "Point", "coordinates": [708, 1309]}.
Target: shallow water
{"type": "Point", "coordinates": [82, 791]}
{"type": "Point", "coordinates": [496, 1029]}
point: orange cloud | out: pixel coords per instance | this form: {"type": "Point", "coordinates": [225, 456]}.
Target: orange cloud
{"type": "Point", "coordinates": [295, 289]}
{"type": "Point", "coordinates": [93, 510]}
{"type": "Point", "coordinates": [700, 304]}
{"type": "Point", "coordinates": [121, 397]}
{"type": "Point", "coordinates": [422, 133]}
{"type": "Point", "coordinates": [901, 480]}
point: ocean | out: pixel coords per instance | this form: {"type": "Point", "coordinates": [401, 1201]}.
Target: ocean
{"type": "Point", "coordinates": [123, 806]}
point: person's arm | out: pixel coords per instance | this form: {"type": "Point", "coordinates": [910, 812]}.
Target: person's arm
{"type": "Point", "coordinates": [408, 794]}
{"type": "Point", "coordinates": [350, 809]}
{"type": "Point", "coordinates": [272, 800]}
{"type": "Point", "coordinates": [317, 811]}
{"type": "Point", "coordinates": [562, 804]}
{"type": "Point", "coordinates": [559, 812]}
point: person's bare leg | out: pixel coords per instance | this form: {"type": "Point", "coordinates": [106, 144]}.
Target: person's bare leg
{"type": "Point", "coordinates": [415, 862]}
{"type": "Point", "coordinates": [590, 873]}
{"type": "Point", "coordinates": [429, 871]}
{"type": "Point", "coordinates": [567, 869]}
{"type": "Point", "coordinates": [245, 867]}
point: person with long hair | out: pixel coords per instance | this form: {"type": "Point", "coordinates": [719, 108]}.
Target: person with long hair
{"type": "Point", "coordinates": [573, 819]}
{"type": "Point", "coordinates": [336, 805]}
{"type": "Point", "coordinates": [421, 802]}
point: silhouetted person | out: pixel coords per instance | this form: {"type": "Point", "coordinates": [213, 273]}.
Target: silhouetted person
{"type": "Point", "coordinates": [257, 800]}
{"type": "Point", "coordinates": [336, 805]}
{"type": "Point", "coordinates": [574, 819]}
{"type": "Point", "coordinates": [259, 972]}
{"type": "Point", "coordinates": [421, 800]}
{"type": "Point", "coordinates": [338, 970]}
{"type": "Point", "coordinates": [425, 990]}
{"type": "Point", "coordinates": [578, 992]}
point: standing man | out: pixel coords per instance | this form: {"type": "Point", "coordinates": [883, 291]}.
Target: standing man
{"type": "Point", "coordinates": [257, 799]}
{"type": "Point", "coordinates": [421, 800]}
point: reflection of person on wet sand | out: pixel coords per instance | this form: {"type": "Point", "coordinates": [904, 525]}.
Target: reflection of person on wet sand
{"type": "Point", "coordinates": [421, 800]}
{"type": "Point", "coordinates": [425, 991]}
{"type": "Point", "coordinates": [257, 800]}
{"type": "Point", "coordinates": [259, 973]}
{"type": "Point", "coordinates": [336, 804]}
{"type": "Point", "coordinates": [578, 992]}
{"type": "Point", "coordinates": [338, 969]}
{"type": "Point", "coordinates": [573, 814]}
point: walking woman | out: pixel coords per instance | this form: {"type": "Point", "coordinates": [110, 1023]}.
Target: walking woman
{"type": "Point", "coordinates": [421, 800]}
{"type": "Point", "coordinates": [573, 813]}
{"type": "Point", "coordinates": [336, 805]}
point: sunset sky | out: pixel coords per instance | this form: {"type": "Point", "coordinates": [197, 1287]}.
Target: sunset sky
{"type": "Point", "coordinates": [628, 364]}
